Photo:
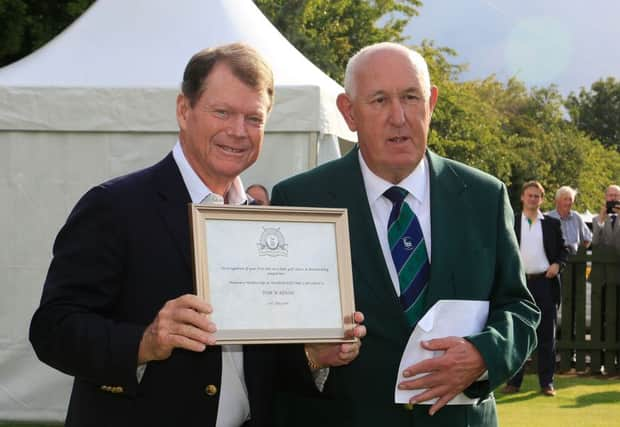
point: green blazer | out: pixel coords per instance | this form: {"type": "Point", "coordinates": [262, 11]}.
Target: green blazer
{"type": "Point", "coordinates": [474, 256]}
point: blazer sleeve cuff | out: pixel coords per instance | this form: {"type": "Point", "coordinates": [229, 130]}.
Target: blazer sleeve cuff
{"type": "Point", "coordinates": [478, 390]}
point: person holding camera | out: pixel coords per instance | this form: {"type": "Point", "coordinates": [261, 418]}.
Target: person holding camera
{"type": "Point", "coordinates": [606, 231]}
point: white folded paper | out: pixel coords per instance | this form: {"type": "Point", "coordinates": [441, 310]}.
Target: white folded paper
{"type": "Point", "coordinates": [446, 318]}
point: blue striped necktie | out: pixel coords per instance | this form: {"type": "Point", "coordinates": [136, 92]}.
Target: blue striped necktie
{"type": "Point", "coordinates": [409, 254]}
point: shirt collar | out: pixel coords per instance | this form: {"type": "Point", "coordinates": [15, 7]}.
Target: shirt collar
{"type": "Point", "coordinates": [414, 183]}
{"type": "Point", "coordinates": [555, 213]}
{"type": "Point", "coordinates": [196, 188]}
{"type": "Point", "coordinates": [539, 216]}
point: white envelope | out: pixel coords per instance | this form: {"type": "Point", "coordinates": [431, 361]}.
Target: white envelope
{"type": "Point", "coordinates": [446, 318]}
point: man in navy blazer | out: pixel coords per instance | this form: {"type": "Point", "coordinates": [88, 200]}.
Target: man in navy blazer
{"type": "Point", "coordinates": [118, 311]}
{"type": "Point", "coordinates": [543, 254]}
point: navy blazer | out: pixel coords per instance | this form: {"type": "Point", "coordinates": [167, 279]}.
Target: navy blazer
{"type": "Point", "coordinates": [123, 252]}
{"type": "Point", "coordinates": [555, 248]}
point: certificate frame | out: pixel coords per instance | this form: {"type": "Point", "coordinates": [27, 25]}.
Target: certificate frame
{"type": "Point", "coordinates": [331, 224]}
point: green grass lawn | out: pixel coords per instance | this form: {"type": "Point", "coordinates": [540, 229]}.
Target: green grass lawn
{"type": "Point", "coordinates": [581, 401]}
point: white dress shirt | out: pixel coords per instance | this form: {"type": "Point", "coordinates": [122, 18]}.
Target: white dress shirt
{"type": "Point", "coordinates": [234, 405]}
{"type": "Point", "coordinates": [532, 248]}
{"type": "Point", "coordinates": [418, 199]}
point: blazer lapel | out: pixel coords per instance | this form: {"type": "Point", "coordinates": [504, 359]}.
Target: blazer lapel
{"type": "Point", "coordinates": [367, 257]}
{"type": "Point", "coordinates": [172, 201]}
{"type": "Point", "coordinates": [546, 237]}
{"type": "Point", "coordinates": [448, 193]}
{"type": "Point", "coordinates": [550, 242]}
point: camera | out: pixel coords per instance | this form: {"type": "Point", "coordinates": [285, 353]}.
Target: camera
{"type": "Point", "coordinates": [611, 205]}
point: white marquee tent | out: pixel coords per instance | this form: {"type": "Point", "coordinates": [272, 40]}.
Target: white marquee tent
{"type": "Point", "coordinates": [98, 101]}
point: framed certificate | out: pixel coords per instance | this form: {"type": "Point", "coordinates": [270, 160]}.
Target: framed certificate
{"type": "Point", "coordinates": [274, 274]}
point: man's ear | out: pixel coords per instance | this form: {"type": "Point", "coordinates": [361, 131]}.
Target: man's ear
{"type": "Point", "coordinates": [433, 98]}
{"type": "Point", "coordinates": [182, 110]}
{"type": "Point", "coordinates": [345, 105]}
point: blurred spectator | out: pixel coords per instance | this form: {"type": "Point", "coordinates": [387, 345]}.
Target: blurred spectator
{"type": "Point", "coordinates": [574, 229]}
{"type": "Point", "coordinates": [259, 193]}
{"type": "Point", "coordinates": [544, 254]}
{"type": "Point", "coordinates": [605, 230]}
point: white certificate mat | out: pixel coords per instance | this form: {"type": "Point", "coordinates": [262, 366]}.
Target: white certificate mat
{"type": "Point", "coordinates": [274, 274]}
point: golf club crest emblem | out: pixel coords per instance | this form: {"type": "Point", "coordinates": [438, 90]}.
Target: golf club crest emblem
{"type": "Point", "coordinates": [272, 243]}
{"type": "Point", "coordinates": [407, 243]}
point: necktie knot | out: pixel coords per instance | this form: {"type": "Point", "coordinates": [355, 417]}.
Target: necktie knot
{"type": "Point", "coordinates": [396, 195]}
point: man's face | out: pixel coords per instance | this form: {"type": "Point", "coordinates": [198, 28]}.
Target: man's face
{"type": "Point", "coordinates": [612, 194]}
{"type": "Point", "coordinates": [222, 133]}
{"type": "Point", "coordinates": [531, 198]}
{"type": "Point", "coordinates": [258, 195]}
{"type": "Point", "coordinates": [563, 204]}
{"type": "Point", "coordinates": [389, 112]}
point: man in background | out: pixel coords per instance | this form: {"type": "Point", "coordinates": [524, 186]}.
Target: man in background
{"type": "Point", "coordinates": [543, 254]}
{"type": "Point", "coordinates": [259, 193]}
{"type": "Point", "coordinates": [574, 229]}
{"type": "Point", "coordinates": [605, 230]}
{"type": "Point", "coordinates": [423, 228]}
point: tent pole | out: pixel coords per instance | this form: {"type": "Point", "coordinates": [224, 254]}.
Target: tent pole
{"type": "Point", "coordinates": [313, 149]}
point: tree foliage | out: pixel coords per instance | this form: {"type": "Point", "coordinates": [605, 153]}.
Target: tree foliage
{"type": "Point", "coordinates": [330, 31]}
{"type": "Point", "coordinates": [516, 134]}
{"type": "Point", "coordinates": [28, 25]}
{"type": "Point", "coordinates": [504, 128]}
{"type": "Point", "coordinates": [597, 111]}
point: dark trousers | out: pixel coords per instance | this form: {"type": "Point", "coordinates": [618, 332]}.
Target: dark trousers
{"type": "Point", "coordinates": [541, 289]}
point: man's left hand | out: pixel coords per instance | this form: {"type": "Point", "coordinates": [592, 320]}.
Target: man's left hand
{"type": "Point", "coordinates": [325, 355]}
{"type": "Point", "coordinates": [446, 375]}
{"type": "Point", "coordinates": [552, 271]}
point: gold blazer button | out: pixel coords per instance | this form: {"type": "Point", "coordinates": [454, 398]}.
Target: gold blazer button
{"type": "Point", "coordinates": [211, 390]}
{"type": "Point", "coordinates": [112, 389]}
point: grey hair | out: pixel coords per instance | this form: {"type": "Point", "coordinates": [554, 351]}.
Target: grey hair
{"type": "Point", "coordinates": [614, 186]}
{"type": "Point", "coordinates": [565, 189]}
{"type": "Point", "coordinates": [417, 60]}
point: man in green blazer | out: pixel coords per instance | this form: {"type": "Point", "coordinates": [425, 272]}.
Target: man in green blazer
{"type": "Point", "coordinates": [469, 252]}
